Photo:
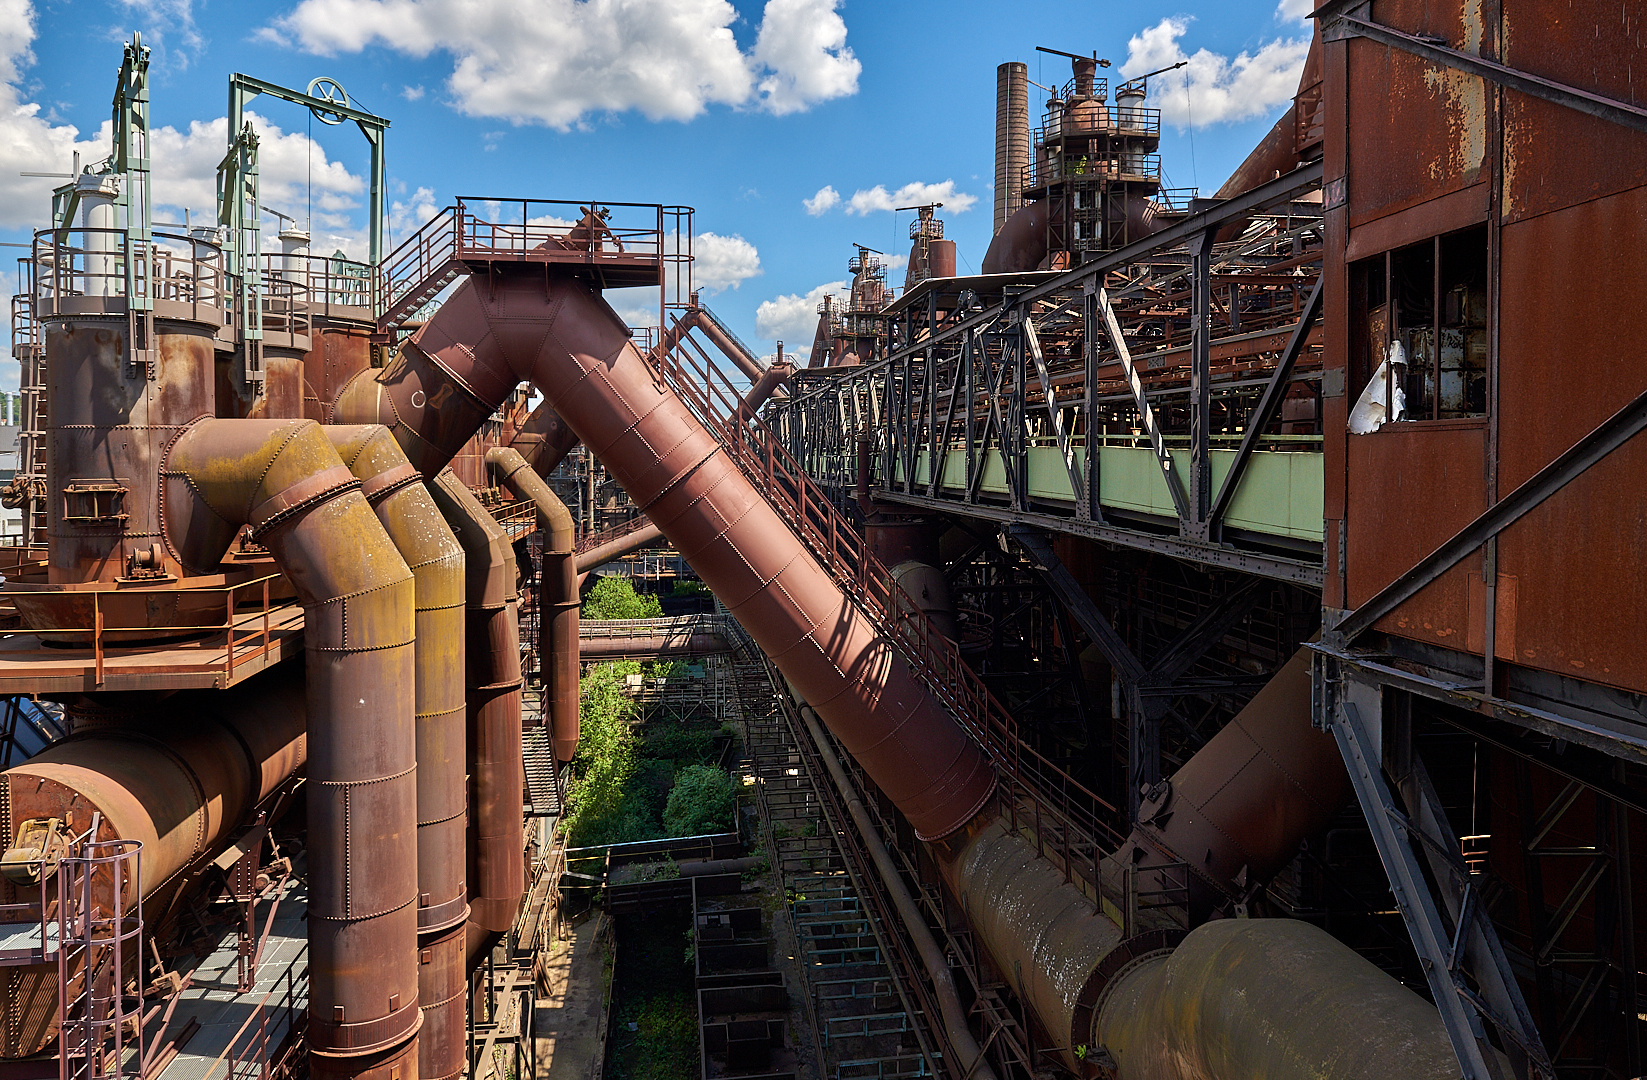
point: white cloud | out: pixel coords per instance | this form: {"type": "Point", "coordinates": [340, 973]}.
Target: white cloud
{"type": "Point", "coordinates": [1294, 10]}
{"type": "Point", "coordinates": [802, 47]}
{"type": "Point", "coordinates": [405, 218]}
{"type": "Point", "coordinates": [28, 141]}
{"type": "Point", "coordinates": [1219, 89]}
{"type": "Point", "coordinates": [723, 262]}
{"type": "Point", "coordinates": [870, 200]}
{"type": "Point", "coordinates": [185, 162]}
{"type": "Point", "coordinates": [556, 62]}
{"type": "Point", "coordinates": [792, 318]}
{"type": "Point", "coordinates": [185, 171]}
{"type": "Point", "coordinates": [824, 200]}
{"type": "Point", "coordinates": [412, 93]}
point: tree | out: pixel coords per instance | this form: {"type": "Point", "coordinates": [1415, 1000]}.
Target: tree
{"type": "Point", "coordinates": [615, 598]}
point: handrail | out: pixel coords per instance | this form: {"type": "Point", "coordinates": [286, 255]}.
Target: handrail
{"type": "Point", "coordinates": [935, 659]}
{"type": "Point", "coordinates": [594, 540]}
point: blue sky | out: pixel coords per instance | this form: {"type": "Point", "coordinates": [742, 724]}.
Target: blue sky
{"type": "Point", "coordinates": [744, 110]}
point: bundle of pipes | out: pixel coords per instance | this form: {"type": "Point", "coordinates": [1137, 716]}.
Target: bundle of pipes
{"type": "Point", "coordinates": [1154, 1023]}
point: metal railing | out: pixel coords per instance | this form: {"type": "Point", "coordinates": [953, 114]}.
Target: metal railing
{"type": "Point", "coordinates": [247, 635]}
{"type": "Point", "coordinates": [79, 262]}
{"type": "Point", "coordinates": [1082, 816]}
{"type": "Point", "coordinates": [326, 280]}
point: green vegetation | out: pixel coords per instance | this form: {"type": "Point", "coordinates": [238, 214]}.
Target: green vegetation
{"type": "Point", "coordinates": [636, 778]}
{"type": "Point", "coordinates": [616, 598]}
{"type": "Point", "coordinates": [702, 801]}
{"type": "Point", "coordinates": [602, 810]}
{"type": "Point", "coordinates": [687, 587]}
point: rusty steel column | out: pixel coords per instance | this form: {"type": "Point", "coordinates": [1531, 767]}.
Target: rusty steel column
{"type": "Point", "coordinates": [557, 596]}
{"type": "Point", "coordinates": [108, 425]}
{"type": "Point", "coordinates": [284, 480]}
{"type": "Point", "coordinates": [425, 541]}
{"type": "Point", "coordinates": [497, 773]}
{"type": "Point", "coordinates": [568, 343]}
{"type": "Point", "coordinates": [181, 777]}
{"type": "Point", "coordinates": [1011, 138]}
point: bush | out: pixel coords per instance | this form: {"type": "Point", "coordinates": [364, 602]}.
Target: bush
{"type": "Point", "coordinates": [615, 598]}
{"type": "Point", "coordinates": [703, 801]}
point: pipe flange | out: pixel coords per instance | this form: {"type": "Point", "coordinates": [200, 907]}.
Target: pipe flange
{"type": "Point", "coordinates": [1116, 963]}
{"type": "Point", "coordinates": [390, 480]}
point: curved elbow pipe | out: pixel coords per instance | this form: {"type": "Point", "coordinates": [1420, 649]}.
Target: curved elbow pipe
{"type": "Point", "coordinates": [408, 514]}
{"type": "Point", "coordinates": [567, 342]}
{"type": "Point", "coordinates": [558, 596]}
{"type": "Point", "coordinates": [497, 875]}
{"type": "Point", "coordinates": [284, 479]}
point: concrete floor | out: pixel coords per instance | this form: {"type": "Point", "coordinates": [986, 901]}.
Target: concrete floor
{"type": "Point", "coordinates": [571, 1018]}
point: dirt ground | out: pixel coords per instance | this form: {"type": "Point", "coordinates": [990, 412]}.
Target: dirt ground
{"type": "Point", "coordinates": [570, 1019]}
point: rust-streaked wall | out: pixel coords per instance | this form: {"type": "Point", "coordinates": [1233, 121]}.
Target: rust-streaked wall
{"type": "Point", "coordinates": [1414, 151]}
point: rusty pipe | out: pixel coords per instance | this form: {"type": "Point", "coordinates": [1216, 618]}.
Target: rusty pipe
{"type": "Point", "coordinates": [284, 480]}
{"type": "Point", "coordinates": [396, 493]}
{"type": "Point", "coordinates": [567, 342]}
{"type": "Point", "coordinates": [616, 548]}
{"type": "Point", "coordinates": [558, 596]}
{"type": "Point", "coordinates": [1235, 812]}
{"type": "Point", "coordinates": [1277, 998]}
{"type": "Point", "coordinates": [654, 646]}
{"type": "Point", "coordinates": [544, 439]}
{"type": "Point", "coordinates": [181, 777]}
{"type": "Point", "coordinates": [497, 875]}
{"type": "Point", "coordinates": [953, 1013]}
{"type": "Point", "coordinates": [763, 388]}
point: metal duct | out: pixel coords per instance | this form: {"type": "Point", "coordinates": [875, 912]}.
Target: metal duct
{"type": "Point", "coordinates": [564, 339]}
{"type": "Point", "coordinates": [284, 480]}
{"type": "Point", "coordinates": [655, 646]}
{"type": "Point", "coordinates": [1011, 138]}
{"type": "Point", "coordinates": [616, 548]}
{"type": "Point", "coordinates": [1235, 812]}
{"type": "Point", "coordinates": [410, 517]}
{"type": "Point", "coordinates": [497, 776]}
{"type": "Point", "coordinates": [557, 596]}
{"type": "Point", "coordinates": [1276, 998]}
{"type": "Point", "coordinates": [182, 778]}
{"type": "Point", "coordinates": [543, 440]}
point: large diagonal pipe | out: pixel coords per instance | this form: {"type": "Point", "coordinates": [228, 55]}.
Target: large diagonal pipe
{"type": "Point", "coordinates": [497, 774]}
{"type": "Point", "coordinates": [557, 595]}
{"type": "Point", "coordinates": [284, 479]}
{"type": "Point", "coordinates": [485, 340]}
{"type": "Point", "coordinates": [409, 515]}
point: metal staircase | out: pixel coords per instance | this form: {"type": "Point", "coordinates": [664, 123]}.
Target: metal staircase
{"type": "Point", "coordinates": [1071, 825]}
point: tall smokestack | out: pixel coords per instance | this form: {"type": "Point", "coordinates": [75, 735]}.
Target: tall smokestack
{"type": "Point", "coordinates": [1011, 138]}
